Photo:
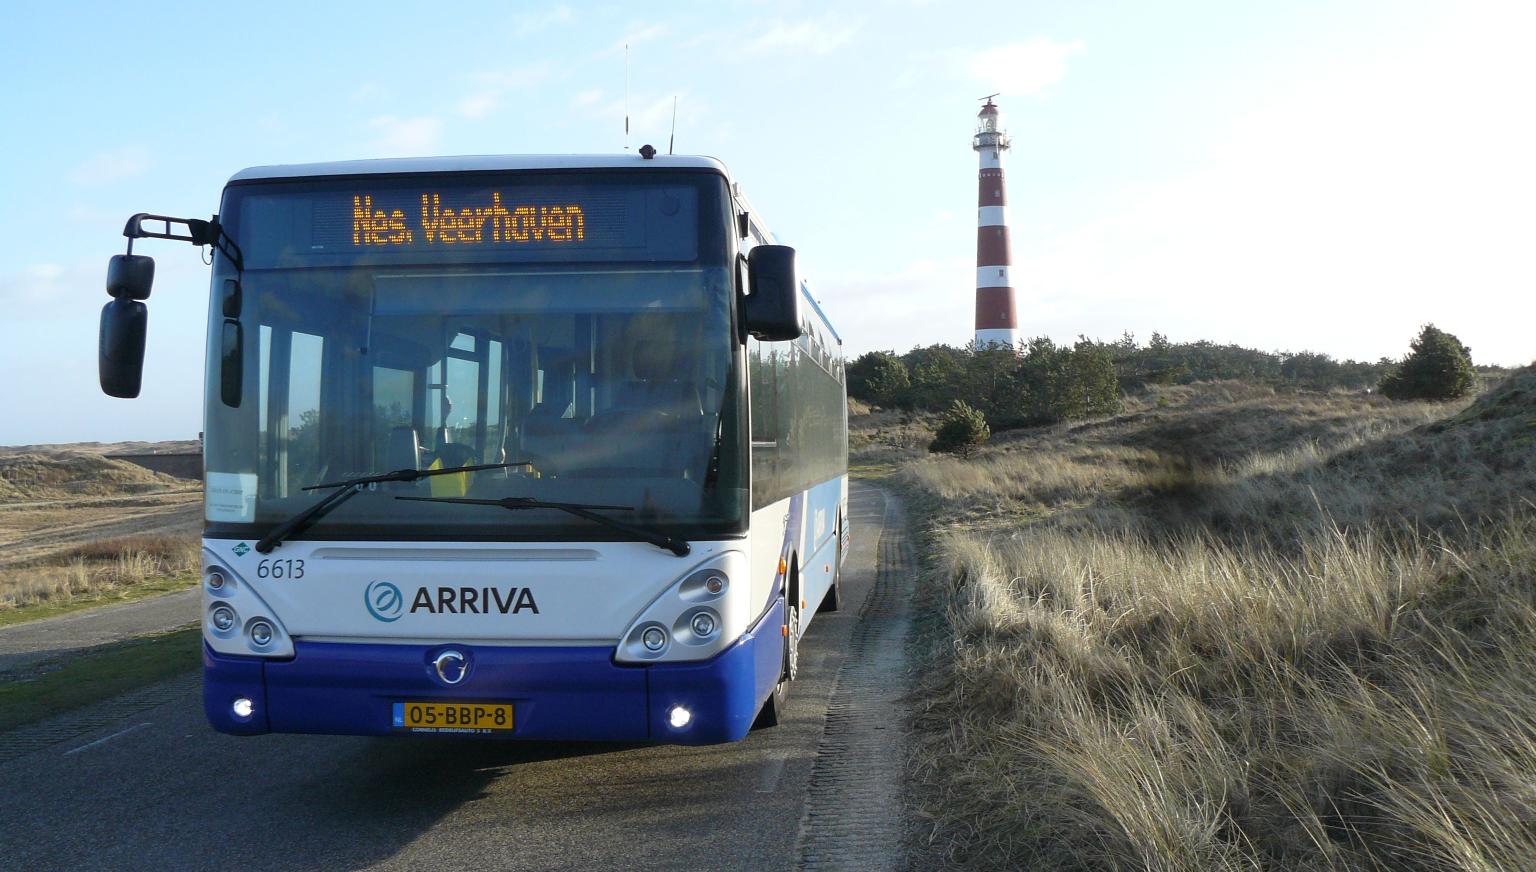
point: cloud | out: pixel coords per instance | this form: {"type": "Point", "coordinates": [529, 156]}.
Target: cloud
{"type": "Point", "coordinates": [587, 97]}
{"type": "Point", "coordinates": [650, 118]}
{"type": "Point", "coordinates": [106, 167]}
{"type": "Point", "coordinates": [406, 137]}
{"type": "Point", "coordinates": [1023, 68]}
{"type": "Point", "coordinates": [478, 105]}
{"type": "Point", "coordinates": [491, 87]}
{"type": "Point", "coordinates": [50, 290]}
{"type": "Point", "coordinates": [38, 283]}
{"type": "Point", "coordinates": [1338, 214]}
{"type": "Point", "coordinates": [532, 22]}
{"type": "Point", "coordinates": [920, 303]}
{"type": "Point", "coordinates": [639, 34]}
{"type": "Point", "coordinates": [811, 36]}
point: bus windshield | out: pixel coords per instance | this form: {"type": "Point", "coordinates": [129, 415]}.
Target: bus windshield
{"type": "Point", "coordinates": [580, 322]}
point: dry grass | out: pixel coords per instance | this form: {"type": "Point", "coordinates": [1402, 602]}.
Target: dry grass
{"type": "Point", "coordinates": [881, 438]}
{"type": "Point", "coordinates": [98, 569]}
{"type": "Point", "coordinates": [79, 528]}
{"type": "Point", "coordinates": [1171, 644]}
{"type": "Point", "coordinates": [58, 475]}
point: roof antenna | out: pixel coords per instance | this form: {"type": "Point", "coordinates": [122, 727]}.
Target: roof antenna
{"type": "Point", "coordinates": [626, 96]}
{"type": "Point", "coordinates": [673, 137]}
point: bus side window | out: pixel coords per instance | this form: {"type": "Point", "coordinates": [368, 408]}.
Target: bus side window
{"type": "Point", "coordinates": [763, 385]}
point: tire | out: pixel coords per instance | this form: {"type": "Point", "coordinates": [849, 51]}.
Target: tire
{"type": "Point", "coordinates": [773, 711]}
{"type": "Point", "coordinates": [834, 598]}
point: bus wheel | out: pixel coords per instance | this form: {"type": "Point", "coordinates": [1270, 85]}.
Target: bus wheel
{"type": "Point", "coordinates": [834, 598]}
{"type": "Point", "coordinates": [773, 711]}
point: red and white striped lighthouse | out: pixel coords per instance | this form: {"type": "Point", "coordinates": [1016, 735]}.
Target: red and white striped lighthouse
{"type": "Point", "coordinates": [997, 320]}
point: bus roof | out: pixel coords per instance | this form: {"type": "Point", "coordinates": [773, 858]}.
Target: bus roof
{"type": "Point", "coordinates": [478, 163]}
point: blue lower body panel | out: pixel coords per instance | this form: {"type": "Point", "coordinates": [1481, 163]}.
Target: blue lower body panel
{"type": "Point", "coordinates": [557, 693]}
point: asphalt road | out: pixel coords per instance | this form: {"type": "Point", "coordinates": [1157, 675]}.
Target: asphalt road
{"type": "Point", "coordinates": [158, 789]}
{"type": "Point", "coordinates": [56, 638]}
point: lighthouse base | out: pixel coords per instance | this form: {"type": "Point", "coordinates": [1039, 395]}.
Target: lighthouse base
{"type": "Point", "coordinates": [1005, 337]}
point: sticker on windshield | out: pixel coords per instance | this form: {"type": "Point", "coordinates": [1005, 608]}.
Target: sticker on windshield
{"type": "Point", "coordinates": [231, 497]}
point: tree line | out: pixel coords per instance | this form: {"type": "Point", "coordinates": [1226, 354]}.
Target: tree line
{"type": "Point", "coordinates": [1042, 382]}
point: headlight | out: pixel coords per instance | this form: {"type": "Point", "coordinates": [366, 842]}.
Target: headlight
{"type": "Point", "coordinates": [695, 618]}
{"type": "Point", "coordinates": [222, 618]}
{"type": "Point", "coordinates": [237, 621]}
{"type": "Point", "coordinates": [261, 633]}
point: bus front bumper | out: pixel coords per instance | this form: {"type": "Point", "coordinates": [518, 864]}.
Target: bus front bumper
{"type": "Point", "coordinates": [557, 692]}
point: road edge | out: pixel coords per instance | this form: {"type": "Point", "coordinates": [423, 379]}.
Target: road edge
{"type": "Point", "coordinates": [855, 814]}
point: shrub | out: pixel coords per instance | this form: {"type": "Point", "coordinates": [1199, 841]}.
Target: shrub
{"type": "Point", "coordinates": [878, 377]}
{"type": "Point", "coordinates": [1053, 383]}
{"type": "Point", "coordinates": [1438, 368]}
{"type": "Point", "coordinates": [961, 430]}
{"type": "Point", "coordinates": [938, 375]}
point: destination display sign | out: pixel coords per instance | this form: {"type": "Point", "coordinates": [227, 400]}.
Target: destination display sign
{"type": "Point", "coordinates": [404, 220]}
{"type": "Point", "coordinates": [468, 224]}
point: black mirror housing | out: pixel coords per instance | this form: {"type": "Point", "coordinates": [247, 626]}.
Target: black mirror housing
{"type": "Point", "coordinates": [120, 353]}
{"type": "Point", "coordinates": [771, 312]}
{"type": "Point", "coordinates": [129, 276]}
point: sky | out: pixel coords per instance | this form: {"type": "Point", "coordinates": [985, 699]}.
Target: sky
{"type": "Point", "coordinates": [1323, 176]}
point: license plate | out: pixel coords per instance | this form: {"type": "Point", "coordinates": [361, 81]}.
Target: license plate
{"type": "Point", "coordinates": [452, 717]}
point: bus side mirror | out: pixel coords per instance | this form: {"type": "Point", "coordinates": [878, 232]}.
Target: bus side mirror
{"type": "Point", "coordinates": [772, 311]}
{"type": "Point", "coordinates": [124, 322]}
{"type": "Point", "coordinates": [120, 353]}
{"type": "Point", "coordinates": [129, 276]}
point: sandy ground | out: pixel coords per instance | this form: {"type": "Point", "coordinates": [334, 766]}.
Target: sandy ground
{"type": "Point", "coordinates": [31, 532]}
{"type": "Point", "coordinates": [172, 447]}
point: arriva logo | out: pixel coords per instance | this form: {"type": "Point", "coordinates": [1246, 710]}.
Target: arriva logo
{"type": "Point", "coordinates": [384, 601]}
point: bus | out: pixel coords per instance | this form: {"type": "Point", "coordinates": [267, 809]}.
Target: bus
{"type": "Point", "coordinates": [538, 447]}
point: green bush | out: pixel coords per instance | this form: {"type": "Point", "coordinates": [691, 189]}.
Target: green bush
{"type": "Point", "coordinates": [879, 377]}
{"type": "Point", "coordinates": [962, 429]}
{"type": "Point", "coordinates": [938, 375]}
{"type": "Point", "coordinates": [1438, 368]}
{"type": "Point", "coordinates": [1053, 383]}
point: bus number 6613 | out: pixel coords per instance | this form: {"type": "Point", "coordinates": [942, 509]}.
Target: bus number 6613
{"type": "Point", "coordinates": [280, 569]}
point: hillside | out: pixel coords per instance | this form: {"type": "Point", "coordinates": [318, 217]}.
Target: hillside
{"type": "Point", "coordinates": [58, 475]}
{"type": "Point", "coordinates": [1233, 628]}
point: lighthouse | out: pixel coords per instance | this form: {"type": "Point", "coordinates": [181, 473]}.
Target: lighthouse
{"type": "Point", "coordinates": [996, 317]}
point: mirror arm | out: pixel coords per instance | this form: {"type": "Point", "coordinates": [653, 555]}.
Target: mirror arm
{"type": "Point", "coordinates": [197, 232]}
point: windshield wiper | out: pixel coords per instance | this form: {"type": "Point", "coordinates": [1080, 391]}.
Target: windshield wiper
{"type": "Point", "coordinates": [580, 510]}
{"type": "Point", "coordinates": [352, 487]}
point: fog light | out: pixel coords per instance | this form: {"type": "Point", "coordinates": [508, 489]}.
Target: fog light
{"type": "Point", "coordinates": [223, 618]}
{"type": "Point", "coordinates": [654, 639]}
{"type": "Point", "coordinates": [261, 633]}
{"type": "Point", "coordinates": [703, 624]}
{"type": "Point", "coordinates": [679, 717]}
{"type": "Point", "coordinates": [714, 584]}
{"type": "Point", "coordinates": [215, 580]}
{"type": "Point", "coordinates": [243, 707]}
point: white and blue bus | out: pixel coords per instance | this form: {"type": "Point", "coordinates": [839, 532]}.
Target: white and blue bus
{"type": "Point", "coordinates": [535, 447]}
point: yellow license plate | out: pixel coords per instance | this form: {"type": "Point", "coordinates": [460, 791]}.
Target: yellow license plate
{"type": "Point", "coordinates": [452, 716]}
